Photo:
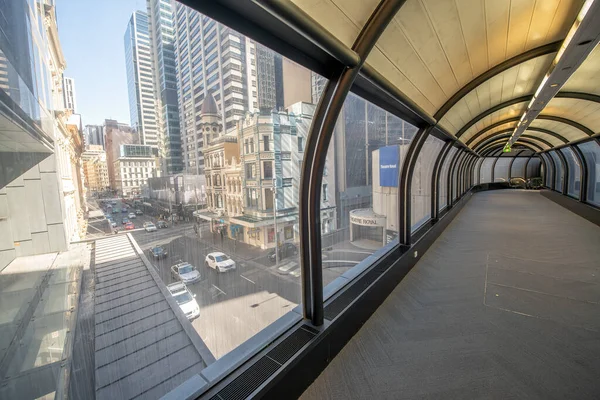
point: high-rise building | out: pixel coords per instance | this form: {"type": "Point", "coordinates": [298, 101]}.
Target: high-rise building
{"type": "Point", "coordinates": [162, 37]}
{"type": "Point", "coordinates": [115, 135]}
{"type": "Point", "coordinates": [134, 166]}
{"type": "Point", "coordinates": [140, 81]}
{"type": "Point", "coordinates": [212, 58]}
{"type": "Point", "coordinates": [93, 136]}
{"type": "Point", "coordinates": [69, 94]}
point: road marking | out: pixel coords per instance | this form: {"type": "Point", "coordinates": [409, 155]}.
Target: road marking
{"type": "Point", "coordinates": [248, 279]}
{"type": "Point", "coordinates": [219, 290]}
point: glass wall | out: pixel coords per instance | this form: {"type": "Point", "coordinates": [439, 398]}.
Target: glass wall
{"type": "Point", "coordinates": [486, 169]}
{"type": "Point", "coordinates": [360, 185]}
{"type": "Point", "coordinates": [501, 169]}
{"type": "Point", "coordinates": [456, 175]}
{"type": "Point", "coordinates": [534, 168]}
{"type": "Point", "coordinates": [477, 170]}
{"type": "Point", "coordinates": [559, 171]}
{"type": "Point", "coordinates": [517, 169]}
{"type": "Point", "coordinates": [574, 178]}
{"type": "Point", "coordinates": [549, 169]}
{"type": "Point", "coordinates": [443, 189]}
{"type": "Point", "coordinates": [421, 182]}
{"type": "Point", "coordinates": [591, 153]}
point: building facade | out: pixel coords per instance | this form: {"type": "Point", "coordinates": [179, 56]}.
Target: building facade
{"type": "Point", "coordinates": [212, 58]}
{"type": "Point", "coordinates": [115, 135]}
{"type": "Point", "coordinates": [70, 100]}
{"type": "Point", "coordinates": [162, 38]}
{"type": "Point", "coordinates": [95, 168]}
{"type": "Point", "coordinates": [256, 200]}
{"type": "Point", "coordinates": [134, 166]}
{"type": "Point", "coordinates": [93, 136]}
{"type": "Point", "coordinates": [141, 81]}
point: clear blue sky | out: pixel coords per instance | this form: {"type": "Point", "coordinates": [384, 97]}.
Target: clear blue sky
{"type": "Point", "coordinates": [91, 34]}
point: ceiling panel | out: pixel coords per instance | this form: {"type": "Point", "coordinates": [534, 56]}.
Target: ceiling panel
{"type": "Point", "coordinates": [544, 136]}
{"type": "Point", "coordinates": [505, 113]}
{"type": "Point", "coordinates": [491, 132]}
{"type": "Point", "coordinates": [584, 112]}
{"type": "Point", "coordinates": [567, 131]}
{"type": "Point", "coordinates": [585, 79]}
{"type": "Point", "coordinates": [514, 82]}
{"type": "Point", "coordinates": [432, 48]}
{"type": "Point", "coordinates": [343, 18]}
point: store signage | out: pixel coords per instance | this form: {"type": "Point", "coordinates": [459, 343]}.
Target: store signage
{"type": "Point", "coordinates": [367, 221]}
{"type": "Point", "coordinates": [388, 166]}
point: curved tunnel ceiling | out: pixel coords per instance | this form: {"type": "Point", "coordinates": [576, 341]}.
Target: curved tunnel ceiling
{"type": "Point", "coordinates": [458, 60]}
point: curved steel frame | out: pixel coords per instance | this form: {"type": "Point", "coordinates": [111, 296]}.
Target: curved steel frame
{"type": "Point", "coordinates": [497, 107]}
{"type": "Point", "coordinates": [583, 178]}
{"type": "Point", "coordinates": [565, 165]}
{"type": "Point", "coordinates": [531, 144]}
{"type": "Point", "coordinates": [510, 130]}
{"type": "Point", "coordinates": [317, 143]}
{"type": "Point", "coordinates": [435, 176]}
{"type": "Point", "coordinates": [484, 143]}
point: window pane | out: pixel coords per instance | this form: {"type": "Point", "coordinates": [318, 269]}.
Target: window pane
{"type": "Point", "coordinates": [444, 178]}
{"type": "Point", "coordinates": [558, 166]}
{"type": "Point", "coordinates": [501, 169]}
{"type": "Point", "coordinates": [549, 170]}
{"type": "Point", "coordinates": [456, 175]}
{"type": "Point", "coordinates": [574, 178]}
{"type": "Point", "coordinates": [591, 153]}
{"type": "Point", "coordinates": [477, 171]}
{"type": "Point", "coordinates": [364, 160]}
{"type": "Point", "coordinates": [421, 182]}
{"type": "Point", "coordinates": [518, 167]}
{"type": "Point", "coordinates": [486, 169]}
{"type": "Point", "coordinates": [534, 168]}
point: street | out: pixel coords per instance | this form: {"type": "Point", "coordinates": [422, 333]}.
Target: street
{"type": "Point", "coordinates": [234, 305]}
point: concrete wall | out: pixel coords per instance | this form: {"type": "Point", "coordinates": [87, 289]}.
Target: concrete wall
{"type": "Point", "coordinates": [31, 214]}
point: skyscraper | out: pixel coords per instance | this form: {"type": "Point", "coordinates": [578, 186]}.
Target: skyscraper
{"type": "Point", "coordinates": [69, 94]}
{"type": "Point", "coordinates": [93, 136]}
{"type": "Point", "coordinates": [140, 81]}
{"type": "Point", "coordinates": [162, 37]}
{"type": "Point", "coordinates": [212, 58]}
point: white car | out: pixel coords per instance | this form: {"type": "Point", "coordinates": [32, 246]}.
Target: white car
{"type": "Point", "coordinates": [185, 272]}
{"type": "Point", "coordinates": [131, 215]}
{"type": "Point", "coordinates": [149, 227]}
{"type": "Point", "coordinates": [219, 261]}
{"type": "Point", "coordinates": [185, 299]}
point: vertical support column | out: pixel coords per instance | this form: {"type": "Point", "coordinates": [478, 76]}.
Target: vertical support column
{"type": "Point", "coordinates": [317, 144]}
{"type": "Point", "coordinates": [494, 169]}
{"type": "Point", "coordinates": [404, 188]}
{"type": "Point", "coordinates": [460, 174]}
{"type": "Point", "coordinates": [583, 186]}
{"type": "Point", "coordinates": [451, 167]}
{"type": "Point", "coordinates": [563, 160]}
{"type": "Point", "coordinates": [526, 165]}
{"type": "Point", "coordinates": [435, 180]}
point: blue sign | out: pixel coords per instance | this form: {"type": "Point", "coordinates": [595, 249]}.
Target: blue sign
{"type": "Point", "coordinates": [388, 166]}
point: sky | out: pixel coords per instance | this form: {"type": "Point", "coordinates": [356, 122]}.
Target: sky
{"type": "Point", "coordinates": [91, 35]}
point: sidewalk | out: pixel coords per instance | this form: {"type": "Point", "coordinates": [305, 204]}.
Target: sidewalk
{"type": "Point", "coordinates": [232, 247]}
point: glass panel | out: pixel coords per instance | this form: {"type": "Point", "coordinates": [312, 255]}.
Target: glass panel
{"type": "Point", "coordinates": [501, 169]}
{"type": "Point", "coordinates": [486, 169]}
{"type": "Point", "coordinates": [558, 166]}
{"type": "Point", "coordinates": [591, 153]}
{"type": "Point", "coordinates": [360, 184]}
{"type": "Point", "coordinates": [456, 174]}
{"type": "Point", "coordinates": [534, 168]}
{"type": "Point", "coordinates": [477, 170]}
{"type": "Point", "coordinates": [421, 182]}
{"type": "Point", "coordinates": [549, 170]}
{"type": "Point", "coordinates": [444, 178]}
{"type": "Point", "coordinates": [518, 167]}
{"type": "Point", "coordinates": [574, 178]}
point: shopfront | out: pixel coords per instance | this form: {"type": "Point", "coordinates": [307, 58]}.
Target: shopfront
{"type": "Point", "coordinates": [366, 225]}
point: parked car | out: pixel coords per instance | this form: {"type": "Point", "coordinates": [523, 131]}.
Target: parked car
{"type": "Point", "coordinates": [129, 226]}
{"type": "Point", "coordinates": [115, 210]}
{"type": "Point", "coordinates": [219, 261]}
{"type": "Point", "coordinates": [113, 224]}
{"type": "Point", "coordinates": [149, 227]}
{"type": "Point", "coordinates": [158, 252]}
{"type": "Point", "coordinates": [185, 299]}
{"type": "Point", "coordinates": [285, 250]}
{"type": "Point", "coordinates": [138, 212]}
{"type": "Point", "coordinates": [124, 210]}
{"type": "Point", "coordinates": [185, 272]}
{"type": "Point", "coordinates": [131, 215]}
{"type": "Point", "coordinates": [162, 224]}
{"type": "Point", "coordinates": [124, 221]}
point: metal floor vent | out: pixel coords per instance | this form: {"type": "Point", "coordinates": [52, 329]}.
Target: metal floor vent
{"type": "Point", "coordinates": [250, 380]}
{"type": "Point", "coordinates": [334, 308]}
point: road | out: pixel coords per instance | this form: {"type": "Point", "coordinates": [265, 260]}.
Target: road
{"type": "Point", "coordinates": [237, 304]}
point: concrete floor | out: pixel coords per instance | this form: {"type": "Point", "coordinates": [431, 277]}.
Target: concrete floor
{"type": "Point", "coordinates": [505, 304]}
